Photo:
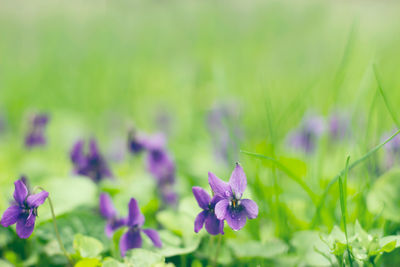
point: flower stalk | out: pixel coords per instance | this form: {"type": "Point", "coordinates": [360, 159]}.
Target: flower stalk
{"type": "Point", "coordinates": [60, 243]}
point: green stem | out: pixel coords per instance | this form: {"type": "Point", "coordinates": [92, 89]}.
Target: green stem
{"type": "Point", "coordinates": [335, 179]}
{"type": "Point", "coordinates": [60, 243]}
{"type": "Point", "coordinates": [217, 250]}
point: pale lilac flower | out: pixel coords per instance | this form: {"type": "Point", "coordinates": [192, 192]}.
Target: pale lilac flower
{"type": "Point", "coordinates": [306, 136]}
{"type": "Point", "coordinates": [222, 123]}
{"type": "Point", "coordinates": [339, 126]}
{"type": "Point", "coordinates": [232, 207]}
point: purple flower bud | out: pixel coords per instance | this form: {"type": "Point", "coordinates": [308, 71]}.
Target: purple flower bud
{"type": "Point", "coordinates": [23, 211]}
{"type": "Point", "coordinates": [132, 238]}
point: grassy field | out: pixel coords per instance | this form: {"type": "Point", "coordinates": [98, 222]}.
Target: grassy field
{"type": "Point", "coordinates": [99, 69]}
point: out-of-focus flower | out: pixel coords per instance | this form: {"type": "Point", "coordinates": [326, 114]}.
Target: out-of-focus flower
{"type": "Point", "coordinates": [136, 142]}
{"type": "Point", "coordinates": [91, 164]}
{"type": "Point", "coordinates": [222, 122]}
{"type": "Point", "coordinates": [207, 216]}
{"type": "Point", "coordinates": [161, 165]}
{"type": "Point", "coordinates": [339, 126]}
{"type": "Point", "coordinates": [36, 133]}
{"type": "Point", "coordinates": [306, 136]}
{"type": "Point", "coordinates": [23, 210]}
{"type": "Point", "coordinates": [132, 238]}
{"type": "Point", "coordinates": [108, 211]}
{"type": "Point", "coordinates": [392, 150]}
{"type": "Point", "coordinates": [232, 207]}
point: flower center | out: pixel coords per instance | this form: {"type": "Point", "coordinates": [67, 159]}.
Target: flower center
{"type": "Point", "coordinates": [234, 203]}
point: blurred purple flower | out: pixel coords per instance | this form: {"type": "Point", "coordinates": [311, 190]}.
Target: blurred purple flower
{"type": "Point", "coordinates": [108, 211]}
{"type": "Point", "coordinates": [161, 165]}
{"type": "Point", "coordinates": [23, 210]}
{"type": "Point", "coordinates": [207, 216]}
{"type": "Point", "coordinates": [132, 238]}
{"type": "Point", "coordinates": [232, 207]}
{"type": "Point", "coordinates": [222, 124]}
{"type": "Point", "coordinates": [36, 133]}
{"type": "Point", "coordinates": [392, 149]}
{"type": "Point", "coordinates": [339, 126]}
{"type": "Point", "coordinates": [91, 164]}
{"type": "Point", "coordinates": [136, 142]}
{"type": "Point", "coordinates": [307, 134]}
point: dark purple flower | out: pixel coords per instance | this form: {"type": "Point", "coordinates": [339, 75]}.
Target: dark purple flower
{"type": "Point", "coordinates": [339, 126]}
{"type": "Point", "coordinates": [108, 211]}
{"type": "Point", "coordinates": [207, 216]}
{"type": "Point", "coordinates": [232, 207]}
{"type": "Point", "coordinates": [23, 210]}
{"type": "Point", "coordinates": [91, 164]}
{"type": "Point", "coordinates": [136, 142]}
{"type": "Point", "coordinates": [307, 134]}
{"type": "Point", "coordinates": [36, 134]}
{"type": "Point", "coordinates": [132, 238]}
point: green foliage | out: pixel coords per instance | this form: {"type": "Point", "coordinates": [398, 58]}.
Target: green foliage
{"type": "Point", "coordinates": [383, 198]}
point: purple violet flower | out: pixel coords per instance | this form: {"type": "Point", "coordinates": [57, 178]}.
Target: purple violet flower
{"type": "Point", "coordinates": [91, 164]}
{"type": "Point", "coordinates": [392, 149]}
{"type": "Point", "coordinates": [307, 134]}
{"type": "Point", "coordinates": [207, 216]}
{"type": "Point", "coordinates": [35, 136]}
{"type": "Point", "coordinates": [23, 210]}
{"type": "Point", "coordinates": [136, 142]}
{"type": "Point", "coordinates": [232, 207]}
{"type": "Point", "coordinates": [132, 238]}
{"type": "Point", "coordinates": [339, 126]}
{"type": "Point", "coordinates": [222, 124]}
{"type": "Point", "coordinates": [108, 211]}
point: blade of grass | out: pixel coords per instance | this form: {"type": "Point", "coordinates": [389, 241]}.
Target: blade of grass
{"type": "Point", "coordinates": [283, 168]}
{"type": "Point", "coordinates": [334, 180]}
{"type": "Point", "coordinates": [343, 206]}
{"type": "Point", "coordinates": [387, 104]}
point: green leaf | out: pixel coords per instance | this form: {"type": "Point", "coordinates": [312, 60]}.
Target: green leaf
{"type": "Point", "coordinates": [174, 245]}
{"type": "Point", "coordinates": [254, 249]}
{"type": "Point", "coordinates": [383, 198]}
{"type": "Point", "coordinates": [83, 221]}
{"type": "Point", "coordinates": [87, 247]}
{"type": "Point", "coordinates": [143, 257]}
{"type": "Point", "coordinates": [88, 263]}
{"type": "Point", "coordinates": [306, 243]}
{"type": "Point", "coordinates": [390, 238]}
{"type": "Point", "coordinates": [110, 262]}
{"type": "Point", "coordinates": [67, 194]}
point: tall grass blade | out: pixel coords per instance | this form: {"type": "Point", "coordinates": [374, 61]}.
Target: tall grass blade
{"type": "Point", "coordinates": [343, 206]}
{"type": "Point", "coordinates": [334, 180]}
